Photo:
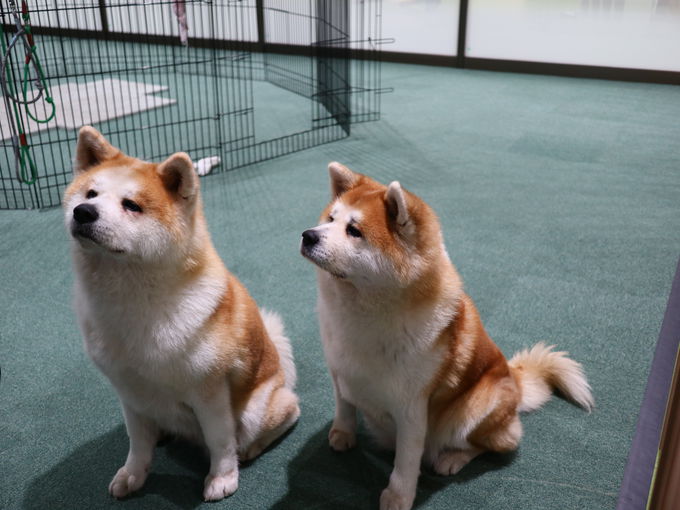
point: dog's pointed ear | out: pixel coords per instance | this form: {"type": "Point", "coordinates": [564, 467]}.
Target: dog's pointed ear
{"type": "Point", "coordinates": [178, 175]}
{"type": "Point", "coordinates": [342, 178]}
{"type": "Point", "coordinates": [396, 204]}
{"type": "Point", "coordinates": [91, 150]}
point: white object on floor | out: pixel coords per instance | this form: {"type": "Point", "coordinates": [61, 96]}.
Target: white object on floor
{"type": "Point", "coordinates": [205, 165]}
{"type": "Point", "coordinates": [93, 102]}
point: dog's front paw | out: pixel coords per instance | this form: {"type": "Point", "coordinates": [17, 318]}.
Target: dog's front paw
{"type": "Point", "coordinates": [219, 487]}
{"type": "Point", "coordinates": [391, 499]}
{"type": "Point", "coordinates": [340, 440]}
{"type": "Point", "coordinates": [126, 481]}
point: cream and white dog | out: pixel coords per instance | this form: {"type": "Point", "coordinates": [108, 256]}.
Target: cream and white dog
{"type": "Point", "coordinates": [405, 344]}
{"type": "Point", "coordinates": [179, 337]}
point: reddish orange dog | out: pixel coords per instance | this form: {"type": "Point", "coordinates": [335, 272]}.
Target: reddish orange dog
{"type": "Point", "coordinates": [405, 344]}
{"type": "Point", "coordinates": [179, 337]}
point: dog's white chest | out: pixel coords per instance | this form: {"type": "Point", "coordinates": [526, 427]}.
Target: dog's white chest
{"type": "Point", "coordinates": [379, 363]}
{"type": "Point", "coordinates": [149, 344]}
{"type": "Point", "coordinates": [138, 326]}
{"type": "Point", "coordinates": [134, 337]}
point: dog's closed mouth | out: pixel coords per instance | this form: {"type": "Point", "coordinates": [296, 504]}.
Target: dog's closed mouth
{"type": "Point", "coordinates": [308, 255]}
{"type": "Point", "coordinates": [84, 234]}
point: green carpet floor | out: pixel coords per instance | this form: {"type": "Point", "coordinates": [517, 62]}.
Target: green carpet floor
{"type": "Point", "coordinates": [560, 202]}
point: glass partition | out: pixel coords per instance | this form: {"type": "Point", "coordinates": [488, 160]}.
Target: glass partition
{"type": "Point", "coordinates": [639, 34]}
{"type": "Point", "coordinates": [421, 26]}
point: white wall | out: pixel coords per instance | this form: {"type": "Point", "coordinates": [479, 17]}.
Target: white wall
{"type": "Point", "coordinates": [421, 26]}
{"type": "Point", "coordinates": [232, 20]}
{"type": "Point", "coordinates": [643, 34]}
{"type": "Point", "coordinates": [80, 14]}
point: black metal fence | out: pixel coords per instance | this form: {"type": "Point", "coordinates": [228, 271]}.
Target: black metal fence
{"type": "Point", "coordinates": [243, 80]}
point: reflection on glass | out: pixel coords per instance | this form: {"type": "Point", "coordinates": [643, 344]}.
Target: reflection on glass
{"type": "Point", "coordinates": [641, 34]}
{"type": "Point", "coordinates": [421, 26]}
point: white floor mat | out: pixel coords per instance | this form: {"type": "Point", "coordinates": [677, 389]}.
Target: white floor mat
{"type": "Point", "coordinates": [92, 103]}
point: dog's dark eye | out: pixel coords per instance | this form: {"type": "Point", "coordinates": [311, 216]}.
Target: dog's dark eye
{"type": "Point", "coordinates": [131, 206]}
{"type": "Point", "coordinates": [353, 231]}
{"type": "Point", "coordinates": [330, 218]}
{"type": "Point", "coordinates": [91, 194]}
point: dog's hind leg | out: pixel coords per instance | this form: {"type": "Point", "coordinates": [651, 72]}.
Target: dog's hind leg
{"type": "Point", "coordinates": [490, 435]}
{"type": "Point", "coordinates": [266, 419]}
{"type": "Point", "coordinates": [504, 437]}
{"type": "Point", "coordinates": [449, 462]}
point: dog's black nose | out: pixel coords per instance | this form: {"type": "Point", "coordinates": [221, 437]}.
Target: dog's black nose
{"type": "Point", "coordinates": [85, 213]}
{"type": "Point", "coordinates": [309, 238]}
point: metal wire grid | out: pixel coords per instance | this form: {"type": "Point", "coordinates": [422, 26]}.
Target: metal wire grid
{"type": "Point", "coordinates": [300, 46]}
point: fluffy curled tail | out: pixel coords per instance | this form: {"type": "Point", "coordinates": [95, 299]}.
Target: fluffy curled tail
{"type": "Point", "coordinates": [274, 325]}
{"type": "Point", "coordinates": [540, 370]}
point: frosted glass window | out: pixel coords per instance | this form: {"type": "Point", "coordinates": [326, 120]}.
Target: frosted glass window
{"type": "Point", "coordinates": [82, 15]}
{"type": "Point", "coordinates": [230, 20]}
{"type": "Point", "coordinates": [290, 22]}
{"type": "Point", "coordinates": [421, 26]}
{"type": "Point", "coordinates": [642, 34]}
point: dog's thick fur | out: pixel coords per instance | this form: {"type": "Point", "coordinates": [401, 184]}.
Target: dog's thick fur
{"type": "Point", "coordinates": [405, 344]}
{"type": "Point", "coordinates": [179, 337]}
